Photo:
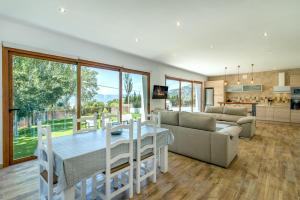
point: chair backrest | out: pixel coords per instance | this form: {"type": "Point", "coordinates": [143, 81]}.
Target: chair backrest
{"type": "Point", "coordinates": [126, 117]}
{"type": "Point", "coordinates": [156, 118]}
{"type": "Point", "coordinates": [126, 140]}
{"type": "Point", "coordinates": [86, 123]}
{"type": "Point", "coordinates": [141, 149]}
{"type": "Point", "coordinates": [107, 117]}
{"type": "Point", "coordinates": [45, 147]}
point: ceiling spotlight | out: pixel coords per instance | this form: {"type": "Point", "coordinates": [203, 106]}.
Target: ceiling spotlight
{"type": "Point", "coordinates": [136, 39]}
{"type": "Point", "coordinates": [62, 10]}
{"type": "Point", "coordinates": [265, 34]}
{"type": "Point", "coordinates": [178, 23]}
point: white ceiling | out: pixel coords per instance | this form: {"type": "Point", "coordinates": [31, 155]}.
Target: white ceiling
{"type": "Point", "coordinates": [213, 33]}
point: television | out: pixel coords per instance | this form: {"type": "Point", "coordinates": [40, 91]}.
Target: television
{"type": "Point", "coordinates": [160, 92]}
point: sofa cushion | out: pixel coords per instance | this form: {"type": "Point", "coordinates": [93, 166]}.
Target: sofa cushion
{"type": "Point", "coordinates": [217, 116]}
{"type": "Point", "coordinates": [197, 121]}
{"type": "Point", "coordinates": [235, 111]}
{"type": "Point", "coordinates": [230, 118]}
{"type": "Point", "coordinates": [214, 109]}
{"type": "Point", "coordinates": [170, 117]}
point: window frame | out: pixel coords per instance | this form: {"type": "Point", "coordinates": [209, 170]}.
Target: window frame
{"type": "Point", "coordinates": [7, 55]}
{"type": "Point", "coordinates": [192, 93]}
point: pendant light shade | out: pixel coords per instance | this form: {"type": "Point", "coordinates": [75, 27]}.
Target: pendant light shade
{"type": "Point", "coordinates": [238, 81]}
{"type": "Point", "coordinates": [252, 79]}
{"type": "Point", "coordinates": [225, 77]}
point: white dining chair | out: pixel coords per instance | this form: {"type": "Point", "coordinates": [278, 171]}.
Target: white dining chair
{"type": "Point", "coordinates": [113, 169]}
{"type": "Point", "coordinates": [108, 118]}
{"type": "Point", "coordinates": [145, 154]}
{"type": "Point", "coordinates": [91, 124]}
{"type": "Point", "coordinates": [45, 158]}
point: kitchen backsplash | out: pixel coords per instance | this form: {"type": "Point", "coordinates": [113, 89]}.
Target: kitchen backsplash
{"type": "Point", "coordinates": [276, 98]}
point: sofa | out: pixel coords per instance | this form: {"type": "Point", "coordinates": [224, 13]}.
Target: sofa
{"type": "Point", "coordinates": [234, 116]}
{"type": "Point", "coordinates": [196, 135]}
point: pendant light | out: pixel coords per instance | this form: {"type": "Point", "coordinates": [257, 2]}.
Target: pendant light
{"type": "Point", "coordinates": [252, 80]}
{"type": "Point", "coordinates": [238, 81]}
{"type": "Point", "coordinates": [225, 77]}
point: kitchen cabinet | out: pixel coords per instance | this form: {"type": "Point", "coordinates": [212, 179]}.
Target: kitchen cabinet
{"type": "Point", "coordinates": [269, 113]}
{"type": "Point", "coordinates": [261, 112]}
{"type": "Point", "coordinates": [252, 88]}
{"type": "Point", "coordinates": [295, 116]}
{"type": "Point", "coordinates": [282, 114]}
{"type": "Point", "coordinates": [244, 88]}
{"type": "Point", "coordinates": [234, 88]}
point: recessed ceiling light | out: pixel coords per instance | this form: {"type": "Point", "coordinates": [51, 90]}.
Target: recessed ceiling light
{"type": "Point", "coordinates": [178, 23]}
{"type": "Point", "coordinates": [136, 39]}
{"type": "Point", "coordinates": [265, 34]}
{"type": "Point", "coordinates": [211, 46]}
{"type": "Point", "coordinates": [62, 10]}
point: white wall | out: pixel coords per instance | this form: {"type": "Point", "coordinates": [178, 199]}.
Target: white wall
{"type": "Point", "coordinates": [29, 37]}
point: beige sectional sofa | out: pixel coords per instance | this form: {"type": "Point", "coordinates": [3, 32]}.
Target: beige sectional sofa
{"type": "Point", "coordinates": [197, 136]}
{"type": "Point", "coordinates": [234, 116]}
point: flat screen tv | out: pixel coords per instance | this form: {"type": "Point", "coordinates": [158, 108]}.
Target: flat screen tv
{"type": "Point", "coordinates": [160, 92]}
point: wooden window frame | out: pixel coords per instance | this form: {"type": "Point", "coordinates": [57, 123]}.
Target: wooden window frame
{"type": "Point", "coordinates": [7, 54]}
{"type": "Point", "coordinates": [192, 93]}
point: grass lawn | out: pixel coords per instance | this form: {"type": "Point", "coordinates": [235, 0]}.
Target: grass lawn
{"type": "Point", "coordinates": [26, 143]}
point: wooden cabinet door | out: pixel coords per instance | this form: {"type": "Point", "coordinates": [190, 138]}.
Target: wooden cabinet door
{"type": "Point", "coordinates": [269, 113]}
{"type": "Point", "coordinates": [282, 114]}
{"type": "Point", "coordinates": [295, 116]}
{"type": "Point", "coordinates": [261, 112]}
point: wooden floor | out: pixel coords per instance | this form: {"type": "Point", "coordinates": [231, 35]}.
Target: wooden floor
{"type": "Point", "coordinates": [268, 167]}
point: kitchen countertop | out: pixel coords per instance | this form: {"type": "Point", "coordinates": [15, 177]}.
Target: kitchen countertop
{"type": "Point", "coordinates": [237, 103]}
{"type": "Point", "coordinates": [274, 105]}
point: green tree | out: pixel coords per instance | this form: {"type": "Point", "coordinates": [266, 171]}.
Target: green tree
{"type": "Point", "coordinates": [41, 84]}
{"type": "Point", "coordinates": [128, 85]}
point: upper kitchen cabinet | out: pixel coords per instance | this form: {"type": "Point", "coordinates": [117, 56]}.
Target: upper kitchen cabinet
{"type": "Point", "coordinates": [244, 88]}
{"type": "Point", "coordinates": [252, 88]}
{"type": "Point", "coordinates": [234, 88]}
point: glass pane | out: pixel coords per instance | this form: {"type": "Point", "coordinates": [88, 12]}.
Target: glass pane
{"type": "Point", "coordinates": [42, 90]}
{"type": "Point", "coordinates": [186, 96]}
{"type": "Point", "coordinates": [135, 96]}
{"type": "Point", "coordinates": [197, 97]}
{"type": "Point", "coordinates": [172, 103]}
{"type": "Point", "coordinates": [99, 92]}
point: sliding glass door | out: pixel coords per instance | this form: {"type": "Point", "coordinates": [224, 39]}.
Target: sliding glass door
{"type": "Point", "coordinates": [183, 95]}
{"type": "Point", "coordinates": [52, 89]}
{"type": "Point", "coordinates": [173, 101]}
{"type": "Point", "coordinates": [186, 96]}
{"type": "Point", "coordinates": [134, 96]}
{"type": "Point", "coordinates": [42, 90]}
{"type": "Point", "coordinates": [197, 97]}
{"type": "Point", "coordinates": [99, 92]}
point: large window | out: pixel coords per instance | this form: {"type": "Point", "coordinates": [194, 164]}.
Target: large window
{"type": "Point", "coordinates": [173, 101]}
{"type": "Point", "coordinates": [99, 91]}
{"type": "Point", "coordinates": [183, 95]}
{"type": "Point", "coordinates": [52, 89]}
{"type": "Point", "coordinates": [135, 96]}
{"type": "Point", "coordinates": [45, 91]}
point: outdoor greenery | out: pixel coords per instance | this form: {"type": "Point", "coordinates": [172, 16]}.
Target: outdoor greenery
{"type": "Point", "coordinates": [46, 90]}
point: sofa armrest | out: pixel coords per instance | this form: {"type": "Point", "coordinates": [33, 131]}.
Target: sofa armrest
{"type": "Point", "coordinates": [245, 120]}
{"type": "Point", "coordinates": [224, 145]}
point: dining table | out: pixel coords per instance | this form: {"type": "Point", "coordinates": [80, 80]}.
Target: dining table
{"type": "Point", "coordinates": [79, 156]}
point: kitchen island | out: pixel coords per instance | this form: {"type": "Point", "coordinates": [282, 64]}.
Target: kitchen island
{"type": "Point", "coordinates": [253, 105]}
